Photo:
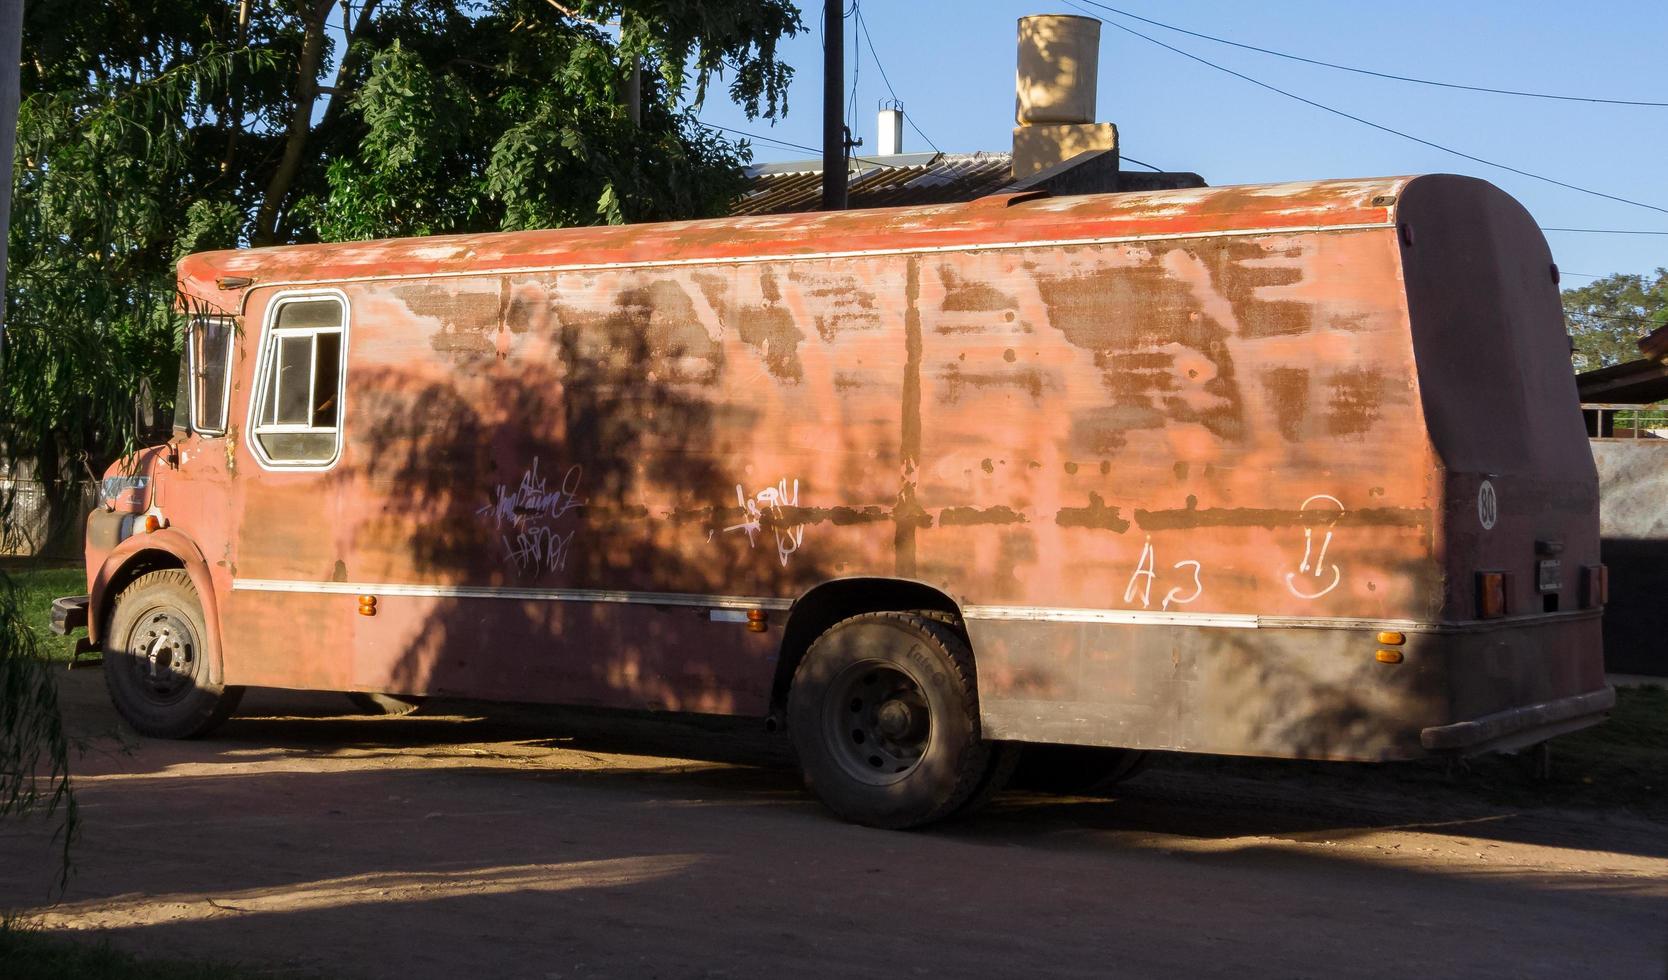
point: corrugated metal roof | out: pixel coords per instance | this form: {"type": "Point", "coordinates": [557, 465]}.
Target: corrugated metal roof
{"type": "Point", "coordinates": [879, 182]}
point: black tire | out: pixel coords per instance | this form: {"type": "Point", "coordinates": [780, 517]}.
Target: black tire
{"type": "Point", "coordinates": [884, 716]}
{"type": "Point", "coordinates": [159, 617]}
{"type": "Point", "coordinates": [1075, 769]}
{"type": "Point", "coordinates": [1004, 756]}
{"type": "Point", "coordinates": [393, 705]}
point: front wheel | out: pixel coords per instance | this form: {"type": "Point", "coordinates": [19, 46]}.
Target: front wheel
{"type": "Point", "coordinates": [156, 660]}
{"type": "Point", "coordinates": [884, 717]}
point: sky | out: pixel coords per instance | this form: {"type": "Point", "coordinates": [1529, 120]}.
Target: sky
{"type": "Point", "coordinates": [952, 64]}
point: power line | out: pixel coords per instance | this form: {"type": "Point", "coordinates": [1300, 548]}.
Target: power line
{"type": "Point", "coordinates": [1379, 126]}
{"type": "Point", "coordinates": [791, 146]}
{"type": "Point", "coordinates": [1607, 231]}
{"type": "Point", "coordinates": [1368, 71]}
{"type": "Point", "coordinates": [1613, 316]}
{"type": "Point", "coordinates": [762, 139]}
{"type": "Point", "coordinates": [856, 65]}
{"type": "Point", "coordinates": [889, 89]}
{"type": "Point", "coordinates": [1140, 163]}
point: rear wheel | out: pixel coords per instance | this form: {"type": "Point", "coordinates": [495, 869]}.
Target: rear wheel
{"type": "Point", "coordinates": [384, 704]}
{"type": "Point", "coordinates": [156, 660]}
{"type": "Point", "coordinates": [884, 717]}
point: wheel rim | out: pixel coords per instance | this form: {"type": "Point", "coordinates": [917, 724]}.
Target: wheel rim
{"type": "Point", "coordinates": [162, 654]}
{"type": "Point", "coordinates": [876, 722]}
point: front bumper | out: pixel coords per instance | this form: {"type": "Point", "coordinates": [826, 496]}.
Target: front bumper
{"type": "Point", "coordinates": [69, 613]}
{"type": "Point", "coordinates": [1517, 727]}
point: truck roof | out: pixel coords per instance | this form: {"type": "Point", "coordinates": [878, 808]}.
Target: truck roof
{"type": "Point", "coordinates": [994, 220]}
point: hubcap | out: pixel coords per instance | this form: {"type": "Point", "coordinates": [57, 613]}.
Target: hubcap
{"type": "Point", "coordinates": [163, 653]}
{"type": "Point", "coordinates": [876, 722]}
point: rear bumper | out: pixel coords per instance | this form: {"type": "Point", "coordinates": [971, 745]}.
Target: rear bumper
{"type": "Point", "coordinates": [1517, 727]}
{"type": "Point", "coordinates": [69, 613]}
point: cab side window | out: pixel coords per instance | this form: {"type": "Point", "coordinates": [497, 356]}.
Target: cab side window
{"type": "Point", "coordinates": [209, 355]}
{"type": "Point", "coordinates": [297, 420]}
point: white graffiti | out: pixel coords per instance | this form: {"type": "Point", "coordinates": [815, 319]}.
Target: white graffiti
{"type": "Point", "coordinates": [1313, 566]}
{"type": "Point", "coordinates": [530, 500]}
{"type": "Point", "coordinates": [1146, 573]}
{"type": "Point", "coordinates": [526, 517]}
{"type": "Point", "coordinates": [771, 502]}
{"type": "Point", "coordinates": [538, 549]}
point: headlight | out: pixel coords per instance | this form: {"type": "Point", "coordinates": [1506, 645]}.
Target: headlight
{"type": "Point", "coordinates": [128, 494]}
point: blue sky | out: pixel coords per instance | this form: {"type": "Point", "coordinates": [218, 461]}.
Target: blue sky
{"type": "Point", "coordinates": [952, 63]}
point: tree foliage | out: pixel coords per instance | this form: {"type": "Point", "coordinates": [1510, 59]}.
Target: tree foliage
{"type": "Point", "coordinates": [153, 128]}
{"type": "Point", "coordinates": [1608, 317]}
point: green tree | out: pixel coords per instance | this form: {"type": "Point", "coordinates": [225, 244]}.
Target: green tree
{"type": "Point", "coordinates": [153, 128]}
{"type": "Point", "coordinates": [1608, 317]}
{"type": "Point", "coordinates": [34, 751]}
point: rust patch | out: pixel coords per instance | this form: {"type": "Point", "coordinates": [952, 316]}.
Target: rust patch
{"type": "Point", "coordinates": [961, 296]}
{"type": "Point", "coordinates": [1240, 269]}
{"type": "Point", "coordinates": [910, 513]}
{"type": "Point", "coordinates": [468, 317]}
{"type": "Point", "coordinates": [1354, 405]}
{"type": "Point", "coordinates": [986, 465]}
{"type": "Point", "coordinates": [1288, 392]}
{"type": "Point", "coordinates": [767, 326]}
{"type": "Point", "coordinates": [1097, 515]}
{"type": "Point", "coordinates": [652, 330]}
{"type": "Point", "coordinates": [840, 301]}
{"type": "Point", "coordinates": [962, 516]}
{"type": "Point", "coordinates": [1133, 319]}
{"type": "Point", "coordinates": [954, 378]}
{"type": "Point", "coordinates": [1192, 517]}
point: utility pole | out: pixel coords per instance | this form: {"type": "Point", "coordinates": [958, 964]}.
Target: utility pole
{"type": "Point", "coordinates": [833, 105]}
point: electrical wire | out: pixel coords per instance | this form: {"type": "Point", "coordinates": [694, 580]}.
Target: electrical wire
{"type": "Point", "coordinates": [763, 139]}
{"type": "Point", "coordinates": [1140, 163]}
{"type": "Point", "coordinates": [1607, 231]}
{"type": "Point", "coordinates": [1379, 126]}
{"type": "Point", "coordinates": [1368, 71]}
{"type": "Point", "coordinates": [909, 119]}
{"type": "Point", "coordinates": [856, 15]}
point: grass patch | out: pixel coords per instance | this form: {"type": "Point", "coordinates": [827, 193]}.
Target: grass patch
{"type": "Point", "coordinates": [37, 584]}
{"type": "Point", "coordinates": [29, 954]}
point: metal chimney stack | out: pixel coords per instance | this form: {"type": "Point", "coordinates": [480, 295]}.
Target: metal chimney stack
{"type": "Point", "coordinates": [890, 142]}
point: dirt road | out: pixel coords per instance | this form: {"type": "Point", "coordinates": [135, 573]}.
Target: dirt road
{"type": "Point", "coordinates": [519, 843]}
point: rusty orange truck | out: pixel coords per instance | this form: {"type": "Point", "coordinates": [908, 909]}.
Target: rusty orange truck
{"type": "Point", "coordinates": [1292, 470]}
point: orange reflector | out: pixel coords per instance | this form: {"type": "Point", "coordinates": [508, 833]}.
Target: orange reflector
{"type": "Point", "coordinates": [1390, 638]}
{"type": "Point", "coordinates": [757, 621]}
{"type": "Point", "coordinates": [1491, 595]}
{"type": "Point", "coordinates": [151, 523]}
{"type": "Point", "coordinates": [367, 605]}
{"type": "Point", "coordinates": [1389, 656]}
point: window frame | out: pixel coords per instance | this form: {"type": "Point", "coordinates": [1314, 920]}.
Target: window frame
{"type": "Point", "coordinates": [191, 368]}
{"type": "Point", "coordinates": [271, 334]}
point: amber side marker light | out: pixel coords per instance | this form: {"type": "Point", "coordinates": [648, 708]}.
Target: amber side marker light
{"type": "Point", "coordinates": [367, 605]}
{"type": "Point", "coordinates": [1388, 656]}
{"type": "Point", "coordinates": [152, 523]}
{"type": "Point", "coordinates": [1390, 638]}
{"type": "Point", "coordinates": [757, 621]}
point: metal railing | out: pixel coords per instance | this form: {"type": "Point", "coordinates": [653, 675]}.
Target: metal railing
{"type": "Point", "coordinates": [1623, 421]}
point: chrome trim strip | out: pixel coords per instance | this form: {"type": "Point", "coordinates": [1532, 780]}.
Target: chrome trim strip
{"type": "Point", "coordinates": [1037, 614]}
{"type": "Point", "coordinates": [509, 592]}
{"type": "Point", "coordinates": [1054, 614]}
